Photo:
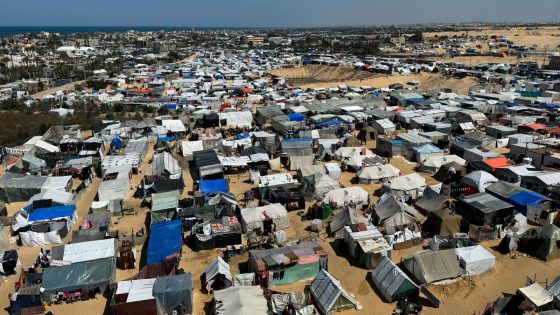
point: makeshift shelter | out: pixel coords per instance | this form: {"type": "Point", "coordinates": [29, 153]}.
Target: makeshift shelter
{"type": "Point", "coordinates": [288, 264]}
{"type": "Point", "coordinates": [9, 261]}
{"type": "Point", "coordinates": [476, 182]}
{"type": "Point", "coordinates": [165, 164]}
{"type": "Point", "coordinates": [367, 133]}
{"type": "Point", "coordinates": [432, 266]}
{"type": "Point", "coordinates": [536, 295]}
{"type": "Point", "coordinates": [392, 282]}
{"type": "Point", "coordinates": [298, 146]}
{"type": "Point", "coordinates": [189, 147]}
{"type": "Point", "coordinates": [298, 301]}
{"type": "Point", "coordinates": [319, 184]}
{"type": "Point", "coordinates": [134, 297]}
{"type": "Point", "coordinates": [431, 201]}
{"type": "Point", "coordinates": [16, 187]}
{"type": "Point", "coordinates": [329, 296]}
{"type": "Point", "coordinates": [345, 196]}
{"type": "Point", "coordinates": [165, 241]}
{"type": "Point", "coordinates": [164, 206]}
{"type": "Point", "coordinates": [475, 259]}
{"type": "Point", "coordinates": [207, 165]}
{"type": "Point", "coordinates": [27, 301]}
{"type": "Point", "coordinates": [376, 174]}
{"type": "Point", "coordinates": [115, 189]}
{"type": "Point", "coordinates": [173, 293]}
{"type": "Point", "coordinates": [370, 252]}
{"type": "Point", "coordinates": [297, 162]}
{"type": "Point", "coordinates": [264, 218]}
{"type": "Point", "coordinates": [426, 151]}
{"type": "Point", "coordinates": [394, 215]}
{"type": "Point", "coordinates": [383, 126]}
{"type": "Point", "coordinates": [240, 300]}
{"type": "Point", "coordinates": [539, 242]}
{"type": "Point", "coordinates": [450, 172]}
{"type": "Point", "coordinates": [44, 226]}
{"type": "Point", "coordinates": [484, 209]}
{"type": "Point", "coordinates": [411, 185]}
{"type": "Point", "coordinates": [346, 216]}
{"type": "Point", "coordinates": [442, 222]}
{"type": "Point", "coordinates": [333, 170]}
{"type": "Point", "coordinates": [217, 275]}
{"type": "Point", "coordinates": [351, 142]}
{"type": "Point", "coordinates": [213, 186]}
{"type": "Point", "coordinates": [355, 233]}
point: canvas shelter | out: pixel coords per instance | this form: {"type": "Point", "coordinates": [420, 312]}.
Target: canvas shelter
{"type": "Point", "coordinates": [297, 162]}
{"type": "Point", "coordinates": [134, 297]}
{"type": "Point", "coordinates": [475, 259]}
{"type": "Point", "coordinates": [394, 214]}
{"type": "Point", "coordinates": [539, 242]}
{"type": "Point", "coordinates": [115, 189]}
{"type": "Point", "coordinates": [442, 222]}
{"type": "Point", "coordinates": [376, 174]}
{"type": "Point", "coordinates": [412, 185]}
{"type": "Point", "coordinates": [262, 218]}
{"type": "Point", "coordinates": [433, 266]}
{"type": "Point", "coordinates": [355, 233]}
{"type": "Point", "coordinates": [431, 201]}
{"type": "Point", "coordinates": [174, 292]}
{"type": "Point", "coordinates": [189, 147]}
{"type": "Point", "coordinates": [319, 184]}
{"type": "Point", "coordinates": [207, 164]}
{"type": "Point", "coordinates": [391, 282]}
{"type": "Point", "coordinates": [344, 196]}
{"type": "Point", "coordinates": [240, 300]}
{"type": "Point", "coordinates": [16, 187]}
{"type": "Point", "coordinates": [9, 261]}
{"type": "Point", "coordinates": [346, 216]}
{"type": "Point", "coordinates": [329, 295]}
{"type": "Point", "coordinates": [484, 209]}
{"type": "Point", "coordinates": [298, 146]}
{"type": "Point", "coordinates": [218, 275]}
{"type": "Point", "coordinates": [165, 164]}
{"type": "Point", "coordinates": [46, 225]}
{"type": "Point", "coordinates": [367, 133]}
{"type": "Point", "coordinates": [164, 242]}
{"type": "Point", "coordinates": [164, 206]}
{"type": "Point", "coordinates": [476, 182]}
{"type": "Point", "coordinates": [426, 151]}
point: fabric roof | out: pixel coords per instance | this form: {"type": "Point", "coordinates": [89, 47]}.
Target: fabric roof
{"type": "Point", "coordinates": [214, 185]}
{"type": "Point", "coordinates": [388, 279]}
{"type": "Point", "coordinates": [431, 266]}
{"type": "Point", "coordinates": [84, 251]}
{"type": "Point", "coordinates": [166, 239]}
{"type": "Point", "coordinates": [86, 274]}
{"type": "Point", "coordinates": [172, 291]}
{"type": "Point", "coordinates": [241, 300]}
{"type": "Point", "coordinates": [327, 290]}
{"type": "Point", "coordinates": [536, 294]}
{"type": "Point", "coordinates": [45, 214]}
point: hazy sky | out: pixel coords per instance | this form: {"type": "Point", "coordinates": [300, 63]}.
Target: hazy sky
{"type": "Point", "coordinates": [262, 13]}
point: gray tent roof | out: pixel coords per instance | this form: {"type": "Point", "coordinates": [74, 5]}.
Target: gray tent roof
{"type": "Point", "coordinates": [171, 292]}
{"type": "Point", "coordinates": [432, 266]}
{"type": "Point", "coordinates": [485, 202]}
{"type": "Point", "coordinates": [326, 290]}
{"type": "Point", "coordinates": [431, 201]}
{"type": "Point", "coordinates": [345, 217]}
{"type": "Point", "coordinates": [85, 274]}
{"type": "Point", "coordinates": [388, 279]}
{"type": "Point", "coordinates": [387, 206]}
{"type": "Point", "coordinates": [503, 189]}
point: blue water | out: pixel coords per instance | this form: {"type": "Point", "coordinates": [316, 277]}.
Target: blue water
{"type": "Point", "coordinates": [12, 30]}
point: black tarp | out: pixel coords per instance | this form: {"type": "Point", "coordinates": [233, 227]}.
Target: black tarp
{"type": "Point", "coordinates": [173, 292]}
{"type": "Point", "coordinates": [210, 120]}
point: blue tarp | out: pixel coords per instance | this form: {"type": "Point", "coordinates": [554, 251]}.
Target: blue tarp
{"type": "Point", "coordinates": [296, 117]}
{"type": "Point", "coordinates": [524, 198]}
{"type": "Point", "coordinates": [213, 186]}
{"type": "Point", "coordinates": [183, 101]}
{"type": "Point", "coordinates": [243, 136]}
{"type": "Point", "coordinates": [171, 106]}
{"type": "Point", "coordinates": [329, 123]}
{"type": "Point", "coordinates": [297, 140]}
{"type": "Point", "coordinates": [166, 239]}
{"type": "Point", "coordinates": [116, 143]}
{"type": "Point", "coordinates": [415, 100]}
{"type": "Point", "coordinates": [43, 214]}
{"type": "Point", "coordinates": [164, 139]}
{"type": "Point", "coordinates": [427, 148]}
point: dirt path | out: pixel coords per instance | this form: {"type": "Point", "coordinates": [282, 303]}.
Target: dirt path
{"type": "Point", "coordinates": [69, 86]}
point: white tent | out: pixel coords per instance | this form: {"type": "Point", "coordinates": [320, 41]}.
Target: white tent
{"type": "Point", "coordinates": [252, 218]}
{"type": "Point", "coordinates": [174, 125]}
{"type": "Point", "coordinates": [411, 184]}
{"type": "Point", "coordinates": [62, 183]}
{"type": "Point", "coordinates": [240, 300]}
{"type": "Point", "coordinates": [346, 152]}
{"type": "Point", "coordinates": [333, 170]}
{"type": "Point", "coordinates": [319, 184]}
{"type": "Point", "coordinates": [375, 174]}
{"type": "Point", "coordinates": [347, 195]}
{"type": "Point", "coordinates": [479, 180]}
{"type": "Point", "coordinates": [475, 259]}
{"type": "Point", "coordinates": [116, 189]}
{"type": "Point", "coordinates": [237, 119]}
{"type": "Point", "coordinates": [536, 294]}
{"type": "Point", "coordinates": [165, 163]}
{"type": "Point", "coordinates": [217, 267]}
{"type": "Point", "coordinates": [86, 251]}
{"type": "Point", "coordinates": [189, 147]}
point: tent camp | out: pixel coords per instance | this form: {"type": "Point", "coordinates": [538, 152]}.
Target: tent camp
{"type": "Point", "coordinates": [262, 218]}
{"type": "Point", "coordinates": [475, 259]}
{"type": "Point", "coordinates": [376, 174]}
{"type": "Point", "coordinates": [345, 196]}
{"type": "Point", "coordinates": [432, 266]}
{"type": "Point", "coordinates": [164, 242]}
{"type": "Point", "coordinates": [539, 242]}
{"type": "Point", "coordinates": [442, 222]}
{"type": "Point", "coordinates": [329, 296]}
{"type": "Point", "coordinates": [173, 293]}
{"type": "Point", "coordinates": [240, 300]}
{"type": "Point", "coordinates": [393, 214]}
{"type": "Point", "coordinates": [217, 275]}
{"type": "Point", "coordinates": [392, 282]}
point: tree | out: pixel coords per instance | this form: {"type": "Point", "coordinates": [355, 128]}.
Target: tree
{"type": "Point", "coordinates": [173, 56]}
{"type": "Point", "coordinates": [418, 37]}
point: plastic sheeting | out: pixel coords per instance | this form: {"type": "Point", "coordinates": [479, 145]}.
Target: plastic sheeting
{"type": "Point", "coordinates": [78, 252]}
{"type": "Point", "coordinates": [391, 281]}
{"type": "Point", "coordinates": [240, 300]}
{"type": "Point", "coordinates": [329, 295]}
{"type": "Point", "coordinates": [30, 238]}
{"type": "Point", "coordinates": [46, 214]}
{"type": "Point", "coordinates": [346, 195]}
{"type": "Point", "coordinates": [172, 292]}
{"type": "Point", "coordinates": [252, 218]}
{"type": "Point", "coordinates": [430, 266]}
{"type": "Point", "coordinates": [213, 186]}
{"type": "Point", "coordinates": [87, 274]}
{"type": "Point", "coordinates": [165, 240]}
{"type": "Point", "coordinates": [475, 259]}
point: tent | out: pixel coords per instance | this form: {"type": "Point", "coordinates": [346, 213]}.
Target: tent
{"type": "Point", "coordinates": [164, 206]}
{"type": "Point", "coordinates": [431, 201]}
{"type": "Point", "coordinates": [212, 186]}
{"type": "Point", "coordinates": [539, 242]}
{"type": "Point", "coordinates": [240, 300]}
{"type": "Point", "coordinates": [16, 187]}
{"type": "Point", "coordinates": [434, 163]}
{"type": "Point", "coordinates": [165, 241]}
{"type": "Point", "coordinates": [351, 142]}
{"type": "Point", "coordinates": [46, 225]}
{"type": "Point", "coordinates": [477, 182]}
{"type": "Point", "coordinates": [342, 196]}
{"type": "Point", "coordinates": [475, 259]}
{"type": "Point", "coordinates": [297, 162]}
{"type": "Point", "coordinates": [392, 282]}
{"type": "Point", "coordinates": [189, 147]}
{"type": "Point", "coordinates": [367, 133]}
{"type": "Point", "coordinates": [207, 164]}
{"type": "Point", "coordinates": [115, 189]}
{"type": "Point", "coordinates": [346, 216]}
{"type": "Point", "coordinates": [217, 275]}
{"type": "Point", "coordinates": [9, 261]}
{"type": "Point", "coordinates": [426, 151]}
{"type": "Point", "coordinates": [394, 214]}
{"type": "Point", "coordinates": [174, 292]}
{"type": "Point", "coordinates": [257, 218]}
{"type": "Point", "coordinates": [536, 294]}
{"type": "Point", "coordinates": [411, 184]}
{"type": "Point", "coordinates": [329, 296]}
{"type": "Point", "coordinates": [165, 164]}
{"type": "Point", "coordinates": [450, 172]}
{"type": "Point", "coordinates": [359, 232]}
{"type": "Point", "coordinates": [442, 222]}
{"type": "Point", "coordinates": [432, 266]}
{"type": "Point", "coordinates": [134, 297]}
{"type": "Point", "coordinates": [375, 174]}
{"type": "Point", "coordinates": [319, 184]}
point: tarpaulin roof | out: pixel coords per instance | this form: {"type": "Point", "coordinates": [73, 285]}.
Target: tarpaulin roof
{"type": "Point", "coordinates": [327, 292]}
{"type": "Point", "coordinates": [497, 162]}
{"type": "Point", "coordinates": [432, 266]}
{"type": "Point", "coordinates": [329, 123]}
{"type": "Point", "coordinates": [390, 280]}
{"type": "Point", "coordinates": [296, 117]}
{"type": "Point", "coordinates": [527, 198]}
{"type": "Point", "coordinates": [86, 274]}
{"type": "Point", "coordinates": [165, 240]}
{"type": "Point", "coordinates": [536, 294]}
{"type": "Point", "coordinates": [240, 300]}
{"type": "Point", "coordinates": [51, 213]}
{"type": "Point", "coordinates": [213, 186]}
{"type": "Point", "coordinates": [172, 291]}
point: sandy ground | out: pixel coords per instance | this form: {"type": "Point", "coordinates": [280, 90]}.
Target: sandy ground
{"type": "Point", "coordinates": [314, 77]}
{"type": "Point", "coordinates": [466, 296]}
{"type": "Point", "coordinates": [69, 86]}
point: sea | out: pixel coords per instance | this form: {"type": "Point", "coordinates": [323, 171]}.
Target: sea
{"type": "Point", "coordinates": [13, 30]}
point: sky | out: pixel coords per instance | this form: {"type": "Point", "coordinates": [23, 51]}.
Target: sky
{"type": "Point", "coordinates": [271, 13]}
